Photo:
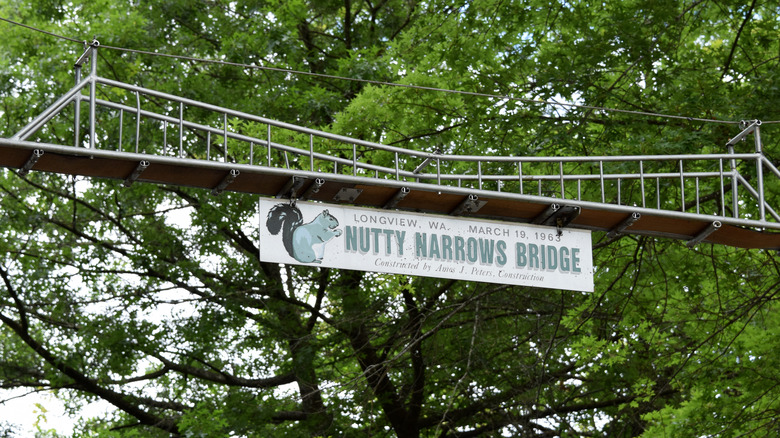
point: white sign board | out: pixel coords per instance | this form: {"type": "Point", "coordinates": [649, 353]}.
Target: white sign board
{"type": "Point", "coordinates": [406, 243]}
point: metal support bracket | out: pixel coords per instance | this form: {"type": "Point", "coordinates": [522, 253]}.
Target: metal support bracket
{"type": "Point", "coordinates": [28, 165]}
{"type": "Point", "coordinates": [347, 194]}
{"type": "Point", "coordinates": [399, 195]}
{"type": "Point", "coordinates": [142, 165]}
{"type": "Point", "coordinates": [557, 215]}
{"type": "Point", "coordinates": [226, 181]}
{"type": "Point", "coordinates": [623, 225]}
{"type": "Point", "coordinates": [291, 187]}
{"type": "Point", "coordinates": [747, 127]}
{"type": "Point", "coordinates": [711, 228]}
{"type": "Point", "coordinates": [546, 214]}
{"type": "Point", "coordinates": [471, 204]}
{"type": "Point", "coordinates": [313, 188]}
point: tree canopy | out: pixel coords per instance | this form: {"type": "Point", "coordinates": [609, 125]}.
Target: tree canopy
{"type": "Point", "coordinates": [153, 299]}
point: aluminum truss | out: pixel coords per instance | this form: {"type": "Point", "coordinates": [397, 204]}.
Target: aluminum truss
{"type": "Point", "coordinates": [714, 189]}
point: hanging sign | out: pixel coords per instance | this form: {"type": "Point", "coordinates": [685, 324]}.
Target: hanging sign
{"type": "Point", "coordinates": [406, 243]}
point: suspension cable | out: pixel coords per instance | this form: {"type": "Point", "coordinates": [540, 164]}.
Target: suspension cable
{"type": "Point", "coordinates": [384, 83]}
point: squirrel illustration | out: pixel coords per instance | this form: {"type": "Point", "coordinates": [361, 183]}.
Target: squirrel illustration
{"type": "Point", "coordinates": [304, 242]}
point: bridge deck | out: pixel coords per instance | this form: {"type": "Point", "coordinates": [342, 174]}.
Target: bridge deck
{"type": "Point", "coordinates": [373, 192]}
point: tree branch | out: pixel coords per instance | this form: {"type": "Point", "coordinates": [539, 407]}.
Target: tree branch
{"type": "Point", "coordinates": [115, 398]}
{"type": "Point", "coordinates": [225, 378]}
{"type": "Point", "coordinates": [748, 16]}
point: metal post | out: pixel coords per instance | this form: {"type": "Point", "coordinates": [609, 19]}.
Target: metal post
{"type": "Point", "coordinates": [642, 181]}
{"type": "Point", "coordinates": [682, 188]}
{"type": "Point", "coordinates": [560, 175]}
{"type": "Point", "coordinates": [137, 120]}
{"type": "Point", "coordinates": [438, 172]}
{"type": "Point", "coordinates": [181, 130]}
{"type": "Point", "coordinates": [92, 93]}
{"type": "Point", "coordinates": [397, 169]}
{"type": "Point", "coordinates": [226, 136]}
{"type": "Point", "coordinates": [165, 137]}
{"type": "Point", "coordinates": [77, 110]}
{"type": "Point", "coordinates": [121, 122]}
{"type": "Point", "coordinates": [722, 189]}
{"type": "Point", "coordinates": [311, 152]}
{"type": "Point", "coordinates": [601, 179]}
{"type": "Point", "coordinates": [760, 173]}
{"type": "Point", "coordinates": [734, 195]}
{"type": "Point", "coordinates": [520, 175]}
{"type": "Point", "coordinates": [479, 173]}
{"type": "Point", "coordinates": [269, 145]}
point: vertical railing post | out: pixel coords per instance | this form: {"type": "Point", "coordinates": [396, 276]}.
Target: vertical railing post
{"type": "Point", "coordinates": [121, 124]}
{"type": "Point", "coordinates": [92, 93]}
{"type": "Point", "coordinates": [682, 187]}
{"type": "Point", "coordinates": [642, 181]}
{"type": "Point", "coordinates": [181, 130]}
{"type": "Point", "coordinates": [208, 145]}
{"type": "Point", "coordinates": [560, 174]}
{"type": "Point", "coordinates": [77, 110]}
{"type": "Point", "coordinates": [438, 172]}
{"type": "Point", "coordinates": [137, 120]}
{"type": "Point", "coordinates": [165, 137]}
{"type": "Point", "coordinates": [311, 152]}
{"type": "Point", "coordinates": [734, 194]}
{"type": "Point", "coordinates": [397, 168]}
{"type": "Point", "coordinates": [722, 189]}
{"type": "Point", "coordinates": [224, 126]}
{"type": "Point", "coordinates": [269, 144]}
{"type": "Point", "coordinates": [601, 180]}
{"type": "Point", "coordinates": [520, 175]}
{"type": "Point", "coordinates": [760, 173]}
{"type": "Point", "coordinates": [479, 173]}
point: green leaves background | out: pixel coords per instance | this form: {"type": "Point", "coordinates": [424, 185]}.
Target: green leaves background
{"type": "Point", "coordinates": [153, 299]}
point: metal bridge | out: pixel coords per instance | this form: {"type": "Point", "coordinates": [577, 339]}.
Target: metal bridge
{"type": "Point", "coordinates": [149, 136]}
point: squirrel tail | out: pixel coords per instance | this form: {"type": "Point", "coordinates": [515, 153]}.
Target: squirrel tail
{"type": "Point", "coordinates": [285, 218]}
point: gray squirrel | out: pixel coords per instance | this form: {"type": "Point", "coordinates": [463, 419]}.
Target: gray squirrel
{"type": "Point", "coordinates": [304, 242]}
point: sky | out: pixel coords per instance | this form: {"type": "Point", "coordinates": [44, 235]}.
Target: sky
{"type": "Point", "coordinates": [39, 412]}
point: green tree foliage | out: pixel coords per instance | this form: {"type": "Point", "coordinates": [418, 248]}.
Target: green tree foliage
{"type": "Point", "coordinates": [152, 298]}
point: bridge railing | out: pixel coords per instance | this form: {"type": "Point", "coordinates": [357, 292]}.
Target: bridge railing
{"type": "Point", "coordinates": [134, 119]}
